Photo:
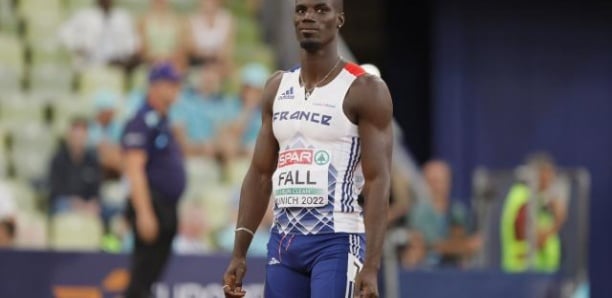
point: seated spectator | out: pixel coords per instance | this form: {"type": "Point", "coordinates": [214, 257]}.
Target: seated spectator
{"type": "Point", "coordinates": [198, 114]}
{"type": "Point", "coordinates": [212, 35]}
{"type": "Point", "coordinates": [7, 218]}
{"type": "Point", "coordinates": [441, 226]}
{"type": "Point", "coordinates": [549, 194]}
{"type": "Point", "coordinates": [100, 35]}
{"type": "Point", "coordinates": [104, 132]}
{"type": "Point", "coordinates": [162, 35]}
{"type": "Point", "coordinates": [237, 139]}
{"type": "Point", "coordinates": [74, 173]}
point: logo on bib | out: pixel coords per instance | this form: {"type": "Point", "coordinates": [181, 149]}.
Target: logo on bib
{"type": "Point", "coordinates": [287, 94]}
{"type": "Point", "coordinates": [293, 157]}
{"type": "Point", "coordinates": [321, 157]}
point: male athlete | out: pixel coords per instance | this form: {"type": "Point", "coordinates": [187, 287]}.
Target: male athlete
{"type": "Point", "coordinates": [326, 137]}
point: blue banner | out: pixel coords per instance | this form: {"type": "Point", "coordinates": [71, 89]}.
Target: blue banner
{"type": "Point", "coordinates": [26, 274]}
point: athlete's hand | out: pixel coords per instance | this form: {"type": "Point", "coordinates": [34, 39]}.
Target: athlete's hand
{"type": "Point", "coordinates": [366, 283]}
{"type": "Point", "coordinates": [232, 280]}
{"type": "Point", "coordinates": [147, 226]}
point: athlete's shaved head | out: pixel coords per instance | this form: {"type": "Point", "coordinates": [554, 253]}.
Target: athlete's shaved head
{"type": "Point", "coordinates": [338, 5]}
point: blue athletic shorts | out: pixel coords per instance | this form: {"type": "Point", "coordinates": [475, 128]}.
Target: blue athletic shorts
{"type": "Point", "coordinates": [317, 266]}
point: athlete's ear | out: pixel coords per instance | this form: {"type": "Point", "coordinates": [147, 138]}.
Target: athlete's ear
{"type": "Point", "coordinates": [340, 20]}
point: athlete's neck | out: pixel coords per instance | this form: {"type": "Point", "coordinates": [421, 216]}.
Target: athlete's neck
{"type": "Point", "coordinates": [316, 65]}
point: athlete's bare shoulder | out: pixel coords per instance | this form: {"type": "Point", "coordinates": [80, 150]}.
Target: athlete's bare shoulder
{"type": "Point", "coordinates": [271, 88]}
{"type": "Point", "coordinates": [368, 94]}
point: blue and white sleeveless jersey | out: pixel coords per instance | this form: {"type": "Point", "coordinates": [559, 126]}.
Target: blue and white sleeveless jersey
{"type": "Point", "coordinates": [318, 175]}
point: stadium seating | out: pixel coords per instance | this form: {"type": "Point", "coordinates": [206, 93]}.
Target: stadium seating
{"type": "Point", "coordinates": [24, 196]}
{"type": "Point", "coordinates": [217, 201]}
{"type": "Point", "coordinates": [101, 77]}
{"type": "Point", "coordinates": [135, 7]}
{"type": "Point", "coordinates": [76, 231]}
{"type": "Point", "coordinates": [66, 107]}
{"type": "Point", "coordinates": [8, 20]}
{"type": "Point", "coordinates": [50, 77]}
{"type": "Point", "coordinates": [202, 171]}
{"type": "Point", "coordinates": [50, 67]}
{"type": "Point", "coordinates": [32, 230]}
{"type": "Point", "coordinates": [17, 109]}
{"type": "Point", "coordinates": [42, 25]}
{"type": "Point", "coordinates": [236, 170]}
{"type": "Point", "coordinates": [74, 5]}
{"type": "Point", "coordinates": [32, 149]}
{"type": "Point", "coordinates": [42, 94]}
{"type": "Point", "coordinates": [12, 67]}
{"type": "Point", "coordinates": [27, 8]}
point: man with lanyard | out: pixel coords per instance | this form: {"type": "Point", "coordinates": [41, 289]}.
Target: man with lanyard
{"type": "Point", "coordinates": [155, 171]}
{"type": "Point", "coordinates": [326, 137]}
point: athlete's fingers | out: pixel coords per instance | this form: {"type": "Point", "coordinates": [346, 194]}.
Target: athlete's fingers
{"type": "Point", "coordinates": [231, 289]}
{"type": "Point", "coordinates": [236, 293]}
{"type": "Point", "coordinates": [229, 279]}
{"type": "Point", "coordinates": [240, 271]}
{"type": "Point", "coordinates": [367, 291]}
{"type": "Point", "coordinates": [358, 286]}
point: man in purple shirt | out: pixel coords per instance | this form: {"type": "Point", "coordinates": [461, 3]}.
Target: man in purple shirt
{"type": "Point", "coordinates": [154, 167]}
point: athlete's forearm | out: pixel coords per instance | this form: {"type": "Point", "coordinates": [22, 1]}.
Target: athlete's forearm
{"type": "Point", "coordinates": [254, 197]}
{"type": "Point", "coordinates": [376, 204]}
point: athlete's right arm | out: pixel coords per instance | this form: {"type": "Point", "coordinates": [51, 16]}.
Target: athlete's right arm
{"type": "Point", "coordinates": [255, 192]}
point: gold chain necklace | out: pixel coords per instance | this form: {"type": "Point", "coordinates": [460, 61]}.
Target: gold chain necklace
{"type": "Point", "coordinates": [307, 92]}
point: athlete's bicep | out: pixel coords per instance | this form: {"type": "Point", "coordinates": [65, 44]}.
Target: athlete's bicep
{"type": "Point", "coordinates": [266, 147]}
{"type": "Point", "coordinates": [375, 114]}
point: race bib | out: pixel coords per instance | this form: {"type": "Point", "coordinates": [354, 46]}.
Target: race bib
{"type": "Point", "coordinates": [301, 178]}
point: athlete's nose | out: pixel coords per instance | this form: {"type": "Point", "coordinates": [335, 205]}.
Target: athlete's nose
{"type": "Point", "coordinates": [309, 16]}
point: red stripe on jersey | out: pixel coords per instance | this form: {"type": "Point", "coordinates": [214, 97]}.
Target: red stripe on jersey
{"type": "Point", "coordinates": [354, 69]}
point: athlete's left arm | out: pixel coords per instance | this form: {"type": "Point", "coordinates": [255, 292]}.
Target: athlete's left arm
{"type": "Point", "coordinates": [373, 113]}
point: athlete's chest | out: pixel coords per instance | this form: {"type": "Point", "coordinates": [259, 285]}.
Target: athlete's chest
{"type": "Point", "coordinates": [319, 116]}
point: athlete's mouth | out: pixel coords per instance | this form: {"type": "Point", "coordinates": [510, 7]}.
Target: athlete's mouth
{"type": "Point", "coordinates": [308, 30]}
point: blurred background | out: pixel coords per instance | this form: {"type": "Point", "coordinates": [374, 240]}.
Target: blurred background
{"type": "Point", "coordinates": [502, 162]}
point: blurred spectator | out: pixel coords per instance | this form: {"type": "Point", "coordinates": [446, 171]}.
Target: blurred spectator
{"type": "Point", "coordinates": [441, 226]}
{"type": "Point", "coordinates": [74, 173]}
{"type": "Point", "coordinates": [102, 34]}
{"type": "Point", "coordinates": [198, 114]}
{"type": "Point", "coordinates": [212, 34]}
{"type": "Point", "coordinates": [548, 193]}
{"type": "Point", "coordinates": [191, 237]}
{"type": "Point", "coordinates": [155, 170]}
{"type": "Point", "coordinates": [162, 35]}
{"type": "Point", "coordinates": [105, 132]}
{"type": "Point", "coordinates": [237, 139]}
{"type": "Point", "coordinates": [7, 217]}
{"type": "Point", "coordinates": [400, 201]}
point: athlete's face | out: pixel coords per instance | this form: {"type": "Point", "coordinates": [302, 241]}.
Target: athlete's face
{"type": "Point", "coordinates": [316, 22]}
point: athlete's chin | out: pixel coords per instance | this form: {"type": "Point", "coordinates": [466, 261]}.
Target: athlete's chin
{"type": "Point", "coordinates": [310, 45]}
